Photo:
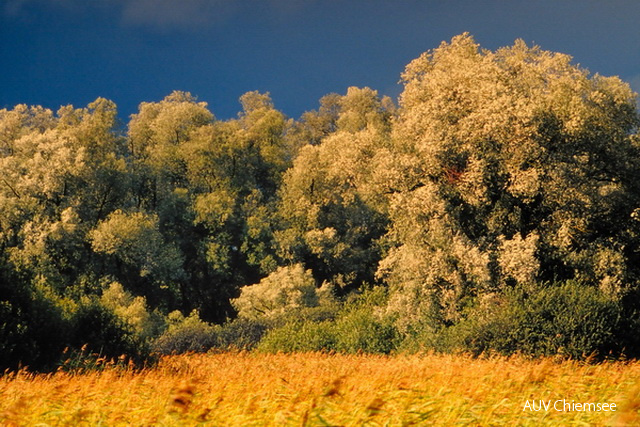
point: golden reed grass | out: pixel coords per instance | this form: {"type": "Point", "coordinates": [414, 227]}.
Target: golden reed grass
{"type": "Point", "coordinates": [247, 389]}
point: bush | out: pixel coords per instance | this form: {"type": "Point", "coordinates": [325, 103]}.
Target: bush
{"type": "Point", "coordinates": [569, 319]}
{"type": "Point", "coordinates": [99, 331]}
{"type": "Point", "coordinates": [186, 334]}
{"type": "Point", "coordinates": [357, 331]}
{"type": "Point", "coordinates": [361, 330]}
{"type": "Point", "coordinates": [286, 289]}
{"type": "Point", "coordinates": [33, 329]}
{"type": "Point", "coordinates": [133, 311]}
{"type": "Point", "coordinates": [300, 337]}
{"type": "Point", "coordinates": [356, 327]}
{"type": "Point", "coordinates": [240, 334]}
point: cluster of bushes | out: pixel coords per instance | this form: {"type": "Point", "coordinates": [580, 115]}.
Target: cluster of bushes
{"type": "Point", "coordinates": [347, 326]}
{"type": "Point", "coordinates": [40, 333]}
{"type": "Point", "coordinates": [568, 320]}
{"type": "Point", "coordinates": [562, 319]}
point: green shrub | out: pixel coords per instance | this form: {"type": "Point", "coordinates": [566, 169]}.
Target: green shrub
{"type": "Point", "coordinates": [33, 329]}
{"type": "Point", "coordinates": [362, 331]}
{"type": "Point", "coordinates": [132, 311]}
{"type": "Point", "coordinates": [353, 327]}
{"type": "Point", "coordinates": [185, 334]}
{"type": "Point", "coordinates": [367, 297]}
{"type": "Point", "coordinates": [568, 319]}
{"type": "Point", "coordinates": [240, 334]}
{"type": "Point", "coordinates": [101, 332]}
{"type": "Point", "coordinates": [300, 337]}
{"type": "Point", "coordinates": [286, 289]}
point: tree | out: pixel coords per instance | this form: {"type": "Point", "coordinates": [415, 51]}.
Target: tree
{"type": "Point", "coordinates": [144, 259]}
{"type": "Point", "coordinates": [282, 292]}
{"type": "Point", "coordinates": [156, 135]}
{"type": "Point", "coordinates": [212, 185]}
{"type": "Point", "coordinates": [332, 206]}
{"type": "Point", "coordinates": [61, 175]}
{"type": "Point", "coordinates": [518, 167]}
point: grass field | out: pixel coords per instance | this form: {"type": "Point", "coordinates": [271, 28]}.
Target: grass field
{"type": "Point", "coordinates": [319, 389]}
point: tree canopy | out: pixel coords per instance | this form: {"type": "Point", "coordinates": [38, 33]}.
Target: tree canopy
{"type": "Point", "coordinates": [500, 178]}
{"type": "Point", "coordinates": [523, 168]}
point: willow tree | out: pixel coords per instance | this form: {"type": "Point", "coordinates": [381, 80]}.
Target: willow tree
{"type": "Point", "coordinates": [517, 167]}
{"type": "Point", "coordinates": [210, 188]}
{"type": "Point", "coordinates": [333, 208]}
{"type": "Point", "coordinates": [61, 175]}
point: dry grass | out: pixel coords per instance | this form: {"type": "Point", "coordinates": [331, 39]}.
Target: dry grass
{"type": "Point", "coordinates": [317, 389]}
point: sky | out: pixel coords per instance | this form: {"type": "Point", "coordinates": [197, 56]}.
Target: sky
{"type": "Point", "coordinates": [59, 52]}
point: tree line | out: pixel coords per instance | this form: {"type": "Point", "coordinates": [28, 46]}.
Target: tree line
{"type": "Point", "coordinates": [495, 208]}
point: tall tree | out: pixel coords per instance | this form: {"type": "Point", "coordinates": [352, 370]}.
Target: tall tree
{"type": "Point", "coordinates": [519, 167]}
{"type": "Point", "coordinates": [212, 185]}
{"type": "Point", "coordinates": [333, 208]}
{"type": "Point", "coordinates": [61, 175]}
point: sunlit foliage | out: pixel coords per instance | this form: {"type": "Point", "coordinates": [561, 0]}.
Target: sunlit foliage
{"type": "Point", "coordinates": [519, 167]}
{"type": "Point", "coordinates": [503, 182]}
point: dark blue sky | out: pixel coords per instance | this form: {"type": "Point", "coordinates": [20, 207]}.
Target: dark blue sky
{"type": "Point", "coordinates": [55, 52]}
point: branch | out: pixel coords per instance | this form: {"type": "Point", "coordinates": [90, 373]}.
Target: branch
{"type": "Point", "coordinates": [13, 190]}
